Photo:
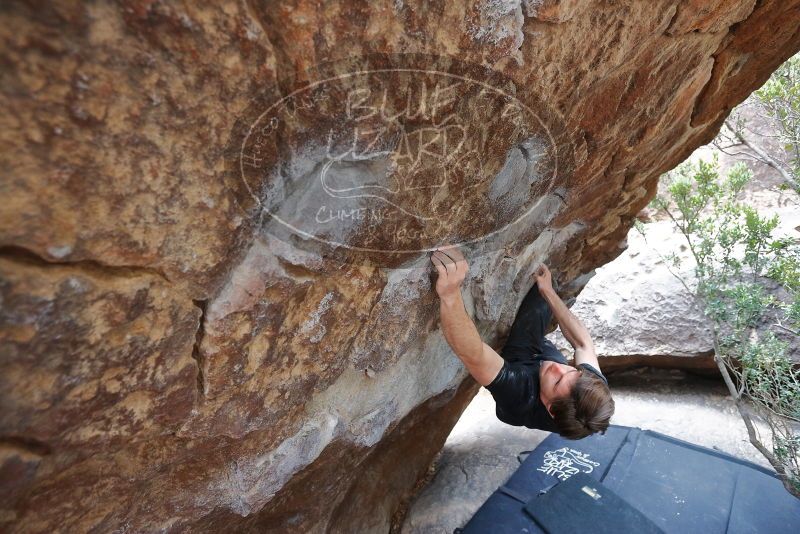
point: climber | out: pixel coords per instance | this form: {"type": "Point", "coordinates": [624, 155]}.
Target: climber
{"type": "Point", "coordinates": [532, 383]}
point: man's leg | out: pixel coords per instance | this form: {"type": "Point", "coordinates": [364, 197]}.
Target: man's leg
{"type": "Point", "coordinates": [527, 333]}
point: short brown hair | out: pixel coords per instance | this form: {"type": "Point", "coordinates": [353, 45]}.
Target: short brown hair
{"type": "Point", "coordinates": [586, 410]}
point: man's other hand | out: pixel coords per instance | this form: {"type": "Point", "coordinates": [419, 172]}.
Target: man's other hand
{"type": "Point", "coordinates": [544, 280]}
{"type": "Point", "coordinates": [452, 269]}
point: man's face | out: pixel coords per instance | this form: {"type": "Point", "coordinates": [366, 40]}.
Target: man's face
{"type": "Point", "coordinates": [556, 380]}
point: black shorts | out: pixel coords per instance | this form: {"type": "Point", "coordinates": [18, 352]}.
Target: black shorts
{"type": "Point", "coordinates": [526, 340]}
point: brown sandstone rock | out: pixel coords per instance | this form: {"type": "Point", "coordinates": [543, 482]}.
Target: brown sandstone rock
{"type": "Point", "coordinates": [169, 363]}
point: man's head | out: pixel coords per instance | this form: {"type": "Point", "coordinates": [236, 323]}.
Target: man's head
{"type": "Point", "coordinates": [579, 401]}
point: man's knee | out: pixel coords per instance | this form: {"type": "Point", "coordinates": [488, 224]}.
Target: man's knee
{"type": "Point", "coordinates": [540, 305]}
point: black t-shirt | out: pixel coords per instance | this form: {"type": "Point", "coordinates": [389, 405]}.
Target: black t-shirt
{"type": "Point", "coordinates": [515, 390]}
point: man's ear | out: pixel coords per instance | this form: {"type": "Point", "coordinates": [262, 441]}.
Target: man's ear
{"type": "Point", "coordinates": [548, 405]}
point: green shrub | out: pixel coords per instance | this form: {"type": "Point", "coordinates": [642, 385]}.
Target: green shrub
{"type": "Point", "coordinates": [735, 257]}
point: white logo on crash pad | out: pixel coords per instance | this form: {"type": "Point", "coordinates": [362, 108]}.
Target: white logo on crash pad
{"type": "Point", "coordinates": [565, 462]}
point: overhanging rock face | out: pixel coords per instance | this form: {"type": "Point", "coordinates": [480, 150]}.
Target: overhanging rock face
{"type": "Point", "coordinates": [214, 220]}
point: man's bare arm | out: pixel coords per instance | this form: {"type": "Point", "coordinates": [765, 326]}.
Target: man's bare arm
{"type": "Point", "coordinates": [459, 330]}
{"type": "Point", "coordinates": [573, 329]}
{"type": "Point", "coordinates": [481, 361]}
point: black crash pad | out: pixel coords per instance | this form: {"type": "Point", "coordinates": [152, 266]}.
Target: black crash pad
{"type": "Point", "coordinates": [679, 486]}
{"type": "Point", "coordinates": [583, 504]}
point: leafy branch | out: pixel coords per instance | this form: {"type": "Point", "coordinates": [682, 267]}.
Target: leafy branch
{"type": "Point", "coordinates": [735, 253]}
